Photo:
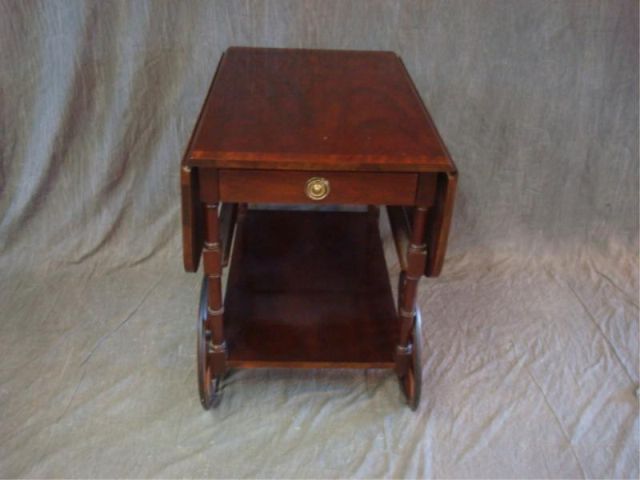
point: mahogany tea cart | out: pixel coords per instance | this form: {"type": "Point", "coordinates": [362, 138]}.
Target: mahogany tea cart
{"type": "Point", "coordinates": [309, 288]}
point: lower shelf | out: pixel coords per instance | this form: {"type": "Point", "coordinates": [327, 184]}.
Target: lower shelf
{"type": "Point", "coordinates": [309, 289]}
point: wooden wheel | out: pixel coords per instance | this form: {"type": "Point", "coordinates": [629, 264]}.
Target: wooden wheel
{"type": "Point", "coordinates": [411, 382]}
{"type": "Point", "coordinates": [208, 384]}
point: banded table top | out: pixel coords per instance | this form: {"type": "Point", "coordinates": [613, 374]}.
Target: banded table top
{"type": "Point", "coordinates": [295, 109]}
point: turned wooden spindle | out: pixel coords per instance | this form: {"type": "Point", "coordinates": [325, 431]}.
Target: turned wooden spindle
{"type": "Point", "coordinates": [416, 259]}
{"type": "Point", "coordinates": [212, 256]}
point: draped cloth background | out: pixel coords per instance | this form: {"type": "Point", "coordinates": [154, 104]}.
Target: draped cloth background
{"type": "Point", "coordinates": [531, 359]}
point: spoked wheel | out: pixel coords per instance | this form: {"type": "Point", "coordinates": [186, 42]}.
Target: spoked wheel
{"type": "Point", "coordinates": [411, 382]}
{"type": "Point", "coordinates": [208, 383]}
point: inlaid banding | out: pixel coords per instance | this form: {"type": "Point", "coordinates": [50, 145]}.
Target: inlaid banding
{"type": "Point", "coordinates": [407, 313]}
{"type": "Point", "coordinates": [215, 311]}
{"type": "Point", "coordinates": [421, 248]}
{"type": "Point", "coordinates": [218, 347]}
{"type": "Point", "coordinates": [212, 246]}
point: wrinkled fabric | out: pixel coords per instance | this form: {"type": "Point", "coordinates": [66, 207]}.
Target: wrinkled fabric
{"type": "Point", "coordinates": [531, 334]}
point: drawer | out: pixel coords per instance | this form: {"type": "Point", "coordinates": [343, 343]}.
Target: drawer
{"type": "Point", "coordinates": [270, 186]}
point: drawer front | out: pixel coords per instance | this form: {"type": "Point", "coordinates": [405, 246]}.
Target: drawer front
{"type": "Point", "coordinates": [366, 188]}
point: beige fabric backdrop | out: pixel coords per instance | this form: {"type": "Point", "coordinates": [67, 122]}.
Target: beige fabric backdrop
{"type": "Point", "coordinates": [531, 365]}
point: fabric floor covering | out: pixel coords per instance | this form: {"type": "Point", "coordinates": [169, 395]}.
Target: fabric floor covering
{"type": "Point", "coordinates": [531, 333]}
{"type": "Point", "coordinates": [530, 370]}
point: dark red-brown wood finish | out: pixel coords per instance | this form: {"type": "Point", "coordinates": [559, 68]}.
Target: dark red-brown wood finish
{"type": "Point", "coordinates": [310, 289]}
{"type": "Point", "coordinates": [315, 110]}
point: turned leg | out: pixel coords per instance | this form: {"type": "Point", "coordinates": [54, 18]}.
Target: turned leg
{"type": "Point", "coordinates": [211, 345]}
{"type": "Point", "coordinates": [212, 256]}
{"type": "Point", "coordinates": [416, 258]}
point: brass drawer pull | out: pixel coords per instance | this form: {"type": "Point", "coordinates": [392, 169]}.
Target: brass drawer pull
{"type": "Point", "coordinates": [317, 188]}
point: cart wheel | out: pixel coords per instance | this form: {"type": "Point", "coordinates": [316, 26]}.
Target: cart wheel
{"type": "Point", "coordinates": [411, 382]}
{"type": "Point", "coordinates": [208, 384]}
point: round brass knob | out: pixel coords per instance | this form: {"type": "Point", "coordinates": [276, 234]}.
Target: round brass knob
{"type": "Point", "coordinates": [317, 188]}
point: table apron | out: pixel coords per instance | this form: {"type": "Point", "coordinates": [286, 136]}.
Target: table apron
{"type": "Point", "coordinates": [271, 186]}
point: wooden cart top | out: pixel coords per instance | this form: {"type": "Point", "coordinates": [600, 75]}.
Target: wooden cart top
{"type": "Point", "coordinates": [295, 109]}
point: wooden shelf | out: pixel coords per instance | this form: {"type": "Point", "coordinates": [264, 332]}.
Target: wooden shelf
{"type": "Point", "coordinates": [309, 289]}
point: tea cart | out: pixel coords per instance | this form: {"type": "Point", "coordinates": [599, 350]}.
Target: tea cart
{"type": "Point", "coordinates": [309, 287]}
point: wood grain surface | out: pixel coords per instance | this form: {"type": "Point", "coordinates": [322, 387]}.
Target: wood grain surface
{"type": "Point", "coordinates": [316, 109]}
{"type": "Point", "coordinates": [274, 186]}
{"type": "Point", "coordinates": [310, 290]}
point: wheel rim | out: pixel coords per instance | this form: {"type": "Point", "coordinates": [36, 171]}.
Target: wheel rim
{"type": "Point", "coordinates": [417, 360]}
{"type": "Point", "coordinates": [207, 384]}
{"type": "Point", "coordinates": [412, 380]}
